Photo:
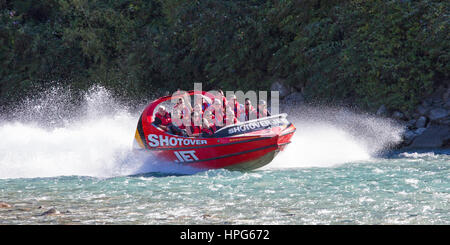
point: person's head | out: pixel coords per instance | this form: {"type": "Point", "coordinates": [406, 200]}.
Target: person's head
{"type": "Point", "coordinates": [220, 96]}
{"type": "Point", "coordinates": [232, 98]}
{"type": "Point", "coordinates": [208, 115]}
{"type": "Point", "coordinates": [248, 103]}
{"type": "Point", "coordinates": [162, 110]}
{"type": "Point", "coordinates": [262, 104]}
{"type": "Point", "coordinates": [180, 102]}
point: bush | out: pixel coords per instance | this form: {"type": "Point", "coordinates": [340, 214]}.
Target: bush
{"type": "Point", "coordinates": [364, 52]}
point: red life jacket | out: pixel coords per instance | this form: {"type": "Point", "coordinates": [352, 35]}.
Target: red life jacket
{"type": "Point", "coordinates": [205, 105]}
{"type": "Point", "coordinates": [183, 111]}
{"type": "Point", "coordinates": [218, 119]}
{"type": "Point", "coordinates": [262, 114]}
{"type": "Point", "coordinates": [195, 129]}
{"type": "Point", "coordinates": [237, 111]}
{"type": "Point", "coordinates": [228, 121]}
{"type": "Point", "coordinates": [165, 120]}
{"type": "Point", "coordinates": [209, 130]}
{"type": "Point", "coordinates": [247, 112]}
{"type": "Point", "coordinates": [224, 102]}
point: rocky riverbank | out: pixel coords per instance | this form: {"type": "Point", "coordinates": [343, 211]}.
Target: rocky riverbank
{"type": "Point", "coordinates": [428, 126]}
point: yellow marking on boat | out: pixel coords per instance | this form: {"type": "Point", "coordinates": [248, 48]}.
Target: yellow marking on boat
{"type": "Point", "coordinates": [240, 139]}
{"type": "Point", "coordinates": [138, 139]}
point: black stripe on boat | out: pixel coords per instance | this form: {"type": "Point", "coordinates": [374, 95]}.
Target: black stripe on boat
{"type": "Point", "coordinates": [141, 133]}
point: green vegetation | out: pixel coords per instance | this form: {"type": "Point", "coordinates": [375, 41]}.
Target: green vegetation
{"type": "Point", "coordinates": [367, 53]}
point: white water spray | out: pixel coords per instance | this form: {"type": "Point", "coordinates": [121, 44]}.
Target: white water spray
{"type": "Point", "coordinates": [331, 136]}
{"type": "Point", "coordinates": [88, 145]}
{"type": "Point", "coordinates": [49, 139]}
{"type": "Point", "coordinates": [320, 146]}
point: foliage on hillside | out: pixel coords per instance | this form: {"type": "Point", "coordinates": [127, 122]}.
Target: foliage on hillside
{"type": "Point", "coordinates": [367, 53]}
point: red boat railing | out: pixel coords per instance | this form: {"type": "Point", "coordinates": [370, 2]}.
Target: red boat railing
{"type": "Point", "coordinates": [148, 112]}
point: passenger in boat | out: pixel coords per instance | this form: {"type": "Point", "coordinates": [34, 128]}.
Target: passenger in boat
{"type": "Point", "coordinates": [196, 125]}
{"type": "Point", "coordinates": [262, 109]}
{"type": "Point", "coordinates": [211, 119]}
{"type": "Point", "coordinates": [230, 118]}
{"type": "Point", "coordinates": [237, 108]}
{"type": "Point", "coordinates": [250, 112]}
{"type": "Point", "coordinates": [163, 120]}
{"type": "Point", "coordinates": [198, 109]}
{"type": "Point", "coordinates": [223, 98]}
{"type": "Point", "coordinates": [177, 119]}
{"type": "Point", "coordinates": [218, 111]}
{"type": "Point", "coordinates": [179, 106]}
{"type": "Point", "coordinates": [200, 100]}
{"type": "Point", "coordinates": [208, 129]}
{"type": "Point", "coordinates": [183, 107]}
{"type": "Point", "coordinates": [209, 116]}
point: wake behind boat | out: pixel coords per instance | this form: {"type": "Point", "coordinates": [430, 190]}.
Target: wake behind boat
{"type": "Point", "coordinates": [245, 145]}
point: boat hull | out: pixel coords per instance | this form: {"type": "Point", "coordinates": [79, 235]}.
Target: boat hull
{"type": "Point", "coordinates": [240, 153]}
{"type": "Point", "coordinates": [244, 147]}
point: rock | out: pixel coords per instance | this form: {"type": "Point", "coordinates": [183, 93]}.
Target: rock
{"type": "Point", "coordinates": [24, 209]}
{"type": "Point", "coordinates": [382, 111]}
{"type": "Point", "coordinates": [294, 98]}
{"type": "Point", "coordinates": [51, 211]}
{"type": "Point", "coordinates": [437, 100]}
{"type": "Point", "coordinates": [5, 205]}
{"type": "Point", "coordinates": [419, 131]}
{"type": "Point", "coordinates": [398, 115]}
{"type": "Point", "coordinates": [435, 136]}
{"type": "Point", "coordinates": [421, 122]}
{"type": "Point", "coordinates": [427, 102]}
{"type": "Point", "coordinates": [447, 104]}
{"type": "Point", "coordinates": [205, 216]}
{"type": "Point", "coordinates": [446, 95]}
{"type": "Point", "coordinates": [411, 123]}
{"type": "Point", "coordinates": [437, 113]}
{"type": "Point", "coordinates": [438, 96]}
{"type": "Point", "coordinates": [422, 110]}
{"type": "Point", "coordinates": [408, 136]}
{"type": "Point", "coordinates": [279, 86]}
{"type": "Point", "coordinates": [300, 87]}
{"type": "Point", "coordinates": [445, 121]}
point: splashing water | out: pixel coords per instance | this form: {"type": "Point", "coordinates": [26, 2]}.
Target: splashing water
{"type": "Point", "coordinates": [320, 146]}
{"type": "Point", "coordinates": [51, 137]}
{"type": "Point", "coordinates": [43, 143]}
{"type": "Point", "coordinates": [329, 136]}
{"type": "Point", "coordinates": [334, 172]}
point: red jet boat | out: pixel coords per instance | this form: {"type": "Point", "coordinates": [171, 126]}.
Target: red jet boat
{"type": "Point", "coordinates": [243, 146]}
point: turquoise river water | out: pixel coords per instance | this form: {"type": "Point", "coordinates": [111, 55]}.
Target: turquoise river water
{"type": "Point", "coordinates": [338, 170]}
